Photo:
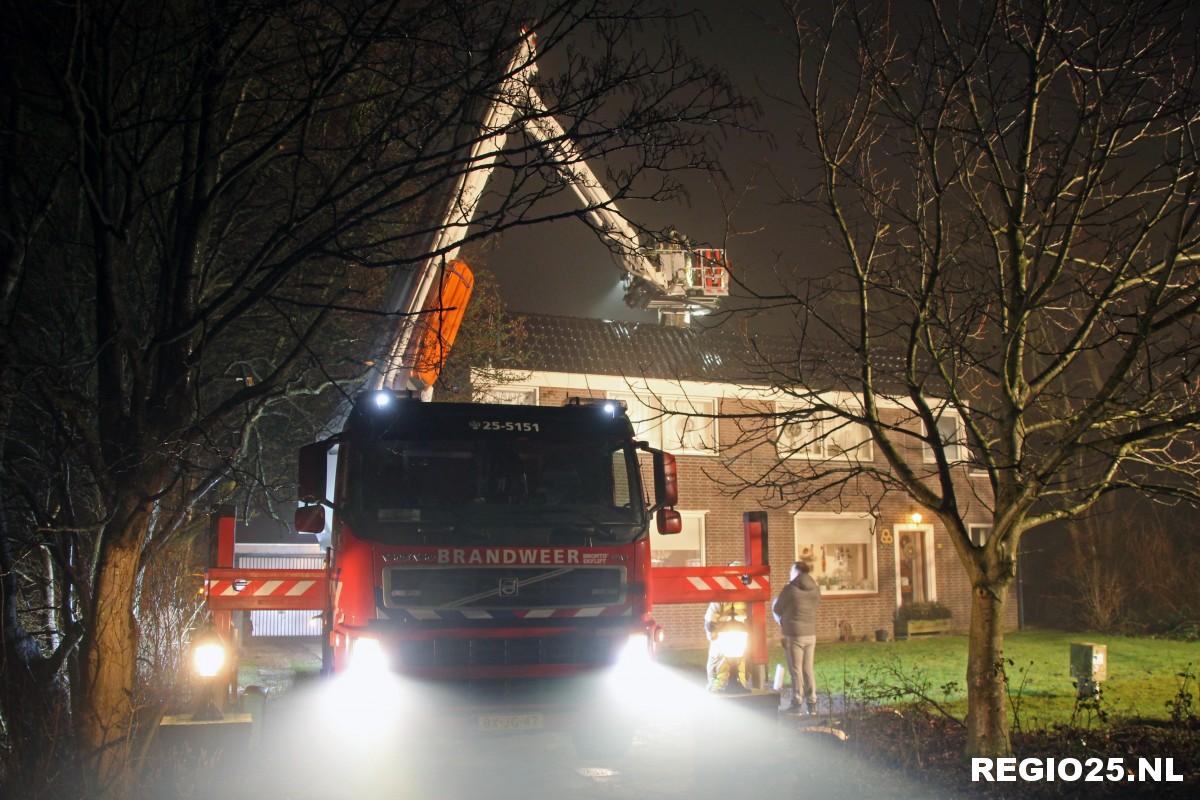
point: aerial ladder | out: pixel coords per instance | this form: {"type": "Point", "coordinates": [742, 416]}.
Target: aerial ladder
{"type": "Point", "coordinates": [670, 276]}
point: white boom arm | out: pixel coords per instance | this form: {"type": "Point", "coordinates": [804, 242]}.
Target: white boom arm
{"type": "Point", "coordinates": [671, 277]}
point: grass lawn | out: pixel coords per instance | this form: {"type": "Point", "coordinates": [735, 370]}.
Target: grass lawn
{"type": "Point", "coordinates": [1141, 671]}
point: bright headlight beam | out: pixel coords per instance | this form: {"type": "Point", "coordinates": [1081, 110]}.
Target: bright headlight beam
{"type": "Point", "coordinates": [383, 399]}
{"type": "Point", "coordinates": [367, 656]}
{"type": "Point", "coordinates": [634, 656]}
{"type": "Point", "coordinates": [208, 658]}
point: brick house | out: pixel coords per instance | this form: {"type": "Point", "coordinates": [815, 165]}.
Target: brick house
{"type": "Point", "coordinates": [870, 553]}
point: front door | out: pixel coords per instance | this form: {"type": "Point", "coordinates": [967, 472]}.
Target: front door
{"type": "Point", "coordinates": [913, 574]}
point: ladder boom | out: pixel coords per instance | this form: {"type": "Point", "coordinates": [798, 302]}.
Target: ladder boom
{"type": "Point", "coordinates": [672, 276]}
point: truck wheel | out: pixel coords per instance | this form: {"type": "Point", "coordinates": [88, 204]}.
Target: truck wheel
{"type": "Point", "coordinates": [603, 741]}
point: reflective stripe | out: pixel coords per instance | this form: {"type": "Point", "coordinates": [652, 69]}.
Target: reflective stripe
{"type": "Point", "coordinates": [699, 583]}
{"type": "Point", "coordinates": [229, 591]}
{"type": "Point", "coordinates": [539, 613]}
{"type": "Point", "coordinates": [300, 588]}
{"type": "Point", "coordinates": [474, 613]}
{"type": "Point", "coordinates": [423, 613]}
{"type": "Point", "coordinates": [590, 612]}
{"type": "Point", "coordinates": [267, 588]}
{"type": "Point", "coordinates": [724, 582]}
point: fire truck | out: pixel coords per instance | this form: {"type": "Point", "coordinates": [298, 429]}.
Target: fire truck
{"type": "Point", "coordinates": [500, 550]}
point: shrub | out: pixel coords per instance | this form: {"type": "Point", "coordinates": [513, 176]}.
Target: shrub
{"type": "Point", "coordinates": [922, 611]}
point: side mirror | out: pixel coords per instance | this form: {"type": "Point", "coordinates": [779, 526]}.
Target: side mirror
{"type": "Point", "coordinates": [314, 459]}
{"type": "Point", "coordinates": [310, 519]}
{"type": "Point", "coordinates": [666, 481]}
{"type": "Point", "coordinates": [669, 521]}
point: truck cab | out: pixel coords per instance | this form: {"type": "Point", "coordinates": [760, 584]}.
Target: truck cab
{"type": "Point", "coordinates": [499, 552]}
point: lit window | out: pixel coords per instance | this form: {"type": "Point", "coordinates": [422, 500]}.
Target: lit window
{"type": "Point", "coordinates": [823, 436]}
{"type": "Point", "coordinates": [674, 424]}
{"type": "Point", "coordinates": [979, 533]}
{"type": "Point", "coordinates": [509, 395]}
{"type": "Point", "coordinates": [692, 428]}
{"type": "Point", "coordinates": [683, 549]}
{"type": "Point", "coordinates": [841, 548]}
{"type": "Point", "coordinates": [950, 434]}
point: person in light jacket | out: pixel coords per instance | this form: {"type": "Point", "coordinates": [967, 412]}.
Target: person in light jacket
{"type": "Point", "coordinates": [721, 665]}
{"type": "Point", "coordinates": [796, 612]}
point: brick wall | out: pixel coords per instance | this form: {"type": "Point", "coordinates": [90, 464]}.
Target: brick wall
{"type": "Point", "coordinates": [706, 483]}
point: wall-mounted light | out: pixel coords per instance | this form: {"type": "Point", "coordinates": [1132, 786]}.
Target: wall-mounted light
{"type": "Point", "coordinates": [915, 517]}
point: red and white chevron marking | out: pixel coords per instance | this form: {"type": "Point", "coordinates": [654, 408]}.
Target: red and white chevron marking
{"type": "Point", "coordinates": [670, 585]}
{"type": "Point", "coordinates": [266, 589]}
{"type": "Point", "coordinates": [721, 583]}
{"type": "Point", "coordinates": [278, 588]}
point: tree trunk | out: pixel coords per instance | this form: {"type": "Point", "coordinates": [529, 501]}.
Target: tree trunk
{"type": "Point", "coordinates": [109, 659]}
{"type": "Point", "coordinates": [33, 701]}
{"type": "Point", "coordinates": [987, 719]}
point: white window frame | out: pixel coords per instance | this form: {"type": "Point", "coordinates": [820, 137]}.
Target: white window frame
{"type": "Point", "coordinates": [958, 448]}
{"type": "Point", "coordinates": [487, 396]}
{"type": "Point", "coordinates": [930, 559]}
{"type": "Point", "coordinates": [799, 516]}
{"type": "Point", "coordinates": [867, 446]}
{"type": "Point", "coordinates": [699, 516]}
{"type": "Point", "coordinates": [974, 526]}
{"type": "Point", "coordinates": [655, 436]}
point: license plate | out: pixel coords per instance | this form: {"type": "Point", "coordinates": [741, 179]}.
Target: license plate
{"type": "Point", "coordinates": [498, 723]}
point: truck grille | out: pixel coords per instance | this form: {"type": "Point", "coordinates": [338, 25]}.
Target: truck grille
{"type": "Point", "coordinates": [514, 652]}
{"type": "Point", "coordinates": [502, 587]}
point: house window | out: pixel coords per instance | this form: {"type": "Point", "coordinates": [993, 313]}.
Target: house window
{"type": "Point", "coordinates": [675, 424]}
{"type": "Point", "coordinates": [683, 549]}
{"type": "Point", "coordinates": [980, 533]}
{"type": "Point", "coordinates": [692, 428]}
{"type": "Point", "coordinates": [824, 436]}
{"type": "Point", "coordinates": [509, 395]}
{"type": "Point", "coordinates": [950, 434]}
{"type": "Point", "coordinates": [841, 548]}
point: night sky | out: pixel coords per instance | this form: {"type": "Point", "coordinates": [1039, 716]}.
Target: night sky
{"type": "Point", "coordinates": [563, 268]}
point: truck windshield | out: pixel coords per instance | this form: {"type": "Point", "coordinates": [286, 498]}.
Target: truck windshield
{"type": "Point", "coordinates": [495, 490]}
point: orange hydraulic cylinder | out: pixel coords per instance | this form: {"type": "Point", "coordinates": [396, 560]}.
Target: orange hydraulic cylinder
{"type": "Point", "coordinates": [442, 321]}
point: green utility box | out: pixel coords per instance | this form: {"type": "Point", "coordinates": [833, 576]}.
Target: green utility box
{"type": "Point", "coordinates": [1089, 666]}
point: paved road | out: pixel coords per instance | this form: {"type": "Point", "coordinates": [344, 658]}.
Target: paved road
{"type": "Point", "coordinates": [332, 740]}
{"type": "Point", "coordinates": [688, 750]}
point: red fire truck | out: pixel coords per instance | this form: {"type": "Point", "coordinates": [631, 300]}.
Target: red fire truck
{"type": "Point", "coordinates": [502, 550]}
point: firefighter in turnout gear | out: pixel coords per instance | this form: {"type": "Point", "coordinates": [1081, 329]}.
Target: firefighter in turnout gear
{"type": "Point", "coordinates": [728, 631]}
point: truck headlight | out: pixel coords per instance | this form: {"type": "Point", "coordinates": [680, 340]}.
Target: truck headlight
{"type": "Point", "coordinates": [367, 656]}
{"type": "Point", "coordinates": [634, 653]}
{"type": "Point", "coordinates": [208, 657]}
{"type": "Point", "coordinates": [732, 644]}
{"type": "Point", "coordinates": [637, 647]}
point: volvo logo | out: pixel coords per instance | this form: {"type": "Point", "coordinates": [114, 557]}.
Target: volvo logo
{"type": "Point", "coordinates": [509, 587]}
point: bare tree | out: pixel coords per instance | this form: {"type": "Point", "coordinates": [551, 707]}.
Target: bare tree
{"type": "Point", "coordinates": [203, 201]}
{"type": "Point", "coordinates": [1008, 193]}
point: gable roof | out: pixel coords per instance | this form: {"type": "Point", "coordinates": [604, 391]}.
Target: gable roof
{"type": "Point", "coordinates": [646, 349]}
{"type": "Point", "coordinates": [649, 350]}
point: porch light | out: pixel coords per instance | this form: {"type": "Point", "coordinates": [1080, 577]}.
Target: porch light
{"type": "Point", "coordinates": [915, 517]}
